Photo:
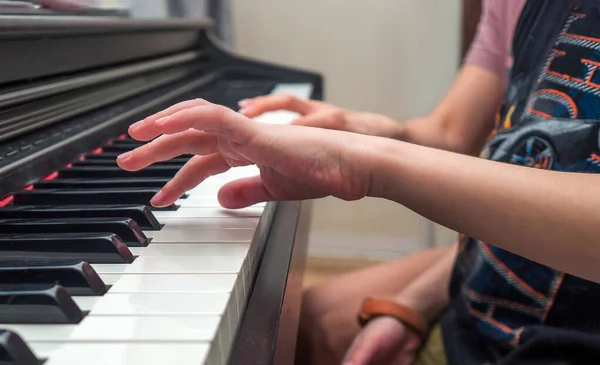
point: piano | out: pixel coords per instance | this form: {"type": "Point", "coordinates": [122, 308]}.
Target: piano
{"type": "Point", "coordinates": [90, 272]}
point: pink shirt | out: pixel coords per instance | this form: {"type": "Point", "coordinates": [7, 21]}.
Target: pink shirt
{"type": "Point", "coordinates": [491, 47]}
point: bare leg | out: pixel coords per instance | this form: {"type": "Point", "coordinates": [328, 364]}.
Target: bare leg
{"type": "Point", "coordinates": [328, 319]}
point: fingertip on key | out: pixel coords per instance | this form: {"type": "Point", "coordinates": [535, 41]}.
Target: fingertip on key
{"type": "Point", "coordinates": [135, 125]}
{"type": "Point", "coordinates": [157, 200]}
{"type": "Point", "coordinates": [124, 156]}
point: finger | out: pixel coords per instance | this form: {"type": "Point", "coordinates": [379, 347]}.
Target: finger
{"type": "Point", "coordinates": [149, 131]}
{"type": "Point", "coordinates": [211, 118]}
{"type": "Point", "coordinates": [243, 193]}
{"type": "Point", "coordinates": [324, 119]}
{"type": "Point", "coordinates": [361, 352]}
{"type": "Point", "coordinates": [167, 147]}
{"type": "Point", "coordinates": [196, 170]}
{"type": "Point", "coordinates": [262, 104]}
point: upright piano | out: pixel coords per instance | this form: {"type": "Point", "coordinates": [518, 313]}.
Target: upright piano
{"type": "Point", "coordinates": [90, 272]}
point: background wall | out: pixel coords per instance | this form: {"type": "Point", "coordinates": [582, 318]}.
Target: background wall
{"type": "Point", "coordinates": [388, 56]}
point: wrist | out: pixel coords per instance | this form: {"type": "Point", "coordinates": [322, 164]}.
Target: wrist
{"type": "Point", "coordinates": [373, 308]}
{"type": "Point", "coordinates": [425, 308]}
{"type": "Point", "coordinates": [384, 158]}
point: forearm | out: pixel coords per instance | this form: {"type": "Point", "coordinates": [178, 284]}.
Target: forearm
{"type": "Point", "coordinates": [550, 217]}
{"type": "Point", "coordinates": [463, 119]}
{"type": "Point", "coordinates": [428, 294]}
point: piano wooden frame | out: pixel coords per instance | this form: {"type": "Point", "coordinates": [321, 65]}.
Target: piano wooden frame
{"type": "Point", "coordinates": [57, 55]}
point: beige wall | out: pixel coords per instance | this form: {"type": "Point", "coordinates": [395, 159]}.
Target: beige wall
{"type": "Point", "coordinates": [396, 57]}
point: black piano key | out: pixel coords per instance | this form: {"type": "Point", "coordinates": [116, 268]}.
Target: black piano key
{"type": "Point", "coordinates": [14, 351]}
{"type": "Point", "coordinates": [141, 214]}
{"type": "Point", "coordinates": [132, 143]}
{"type": "Point", "coordinates": [37, 304]}
{"type": "Point", "coordinates": [77, 279]}
{"type": "Point", "coordinates": [95, 248]}
{"type": "Point", "coordinates": [117, 148]}
{"type": "Point", "coordinates": [115, 172]}
{"type": "Point", "coordinates": [114, 155]}
{"type": "Point", "coordinates": [113, 163]}
{"type": "Point", "coordinates": [85, 196]}
{"type": "Point", "coordinates": [125, 228]}
{"type": "Point", "coordinates": [101, 183]}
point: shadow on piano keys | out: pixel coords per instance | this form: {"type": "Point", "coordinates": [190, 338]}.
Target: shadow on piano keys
{"type": "Point", "coordinates": [89, 271]}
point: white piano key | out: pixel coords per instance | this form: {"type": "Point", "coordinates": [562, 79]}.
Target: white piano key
{"type": "Point", "coordinates": [161, 304]}
{"type": "Point", "coordinates": [175, 265]}
{"type": "Point", "coordinates": [300, 90]}
{"type": "Point", "coordinates": [42, 332]}
{"type": "Point", "coordinates": [189, 250]}
{"type": "Point", "coordinates": [115, 270]}
{"type": "Point", "coordinates": [209, 223]}
{"type": "Point", "coordinates": [131, 354]}
{"type": "Point", "coordinates": [147, 331]}
{"type": "Point", "coordinates": [110, 279]}
{"type": "Point", "coordinates": [43, 350]}
{"type": "Point", "coordinates": [189, 212]}
{"type": "Point", "coordinates": [200, 202]}
{"type": "Point", "coordinates": [203, 235]}
{"type": "Point", "coordinates": [147, 328]}
{"type": "Point", "coordinates": [173, 283]}
{"type": "Point", "coordinates": [86, 303]}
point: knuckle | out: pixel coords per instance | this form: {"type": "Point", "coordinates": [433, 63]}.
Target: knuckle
{"type": "Point", "coordinates": [199, 101]}
{"type": "Point", "coordinates": [336, 118]}
{"type": "Point", "coordinates": [337, 114]}
{"type": "Point", "coordinates": [183, 114]}
{"type": "Point", "coordinates": [219, 111]}
{"type": "Point", "coordinates": [290, 100]}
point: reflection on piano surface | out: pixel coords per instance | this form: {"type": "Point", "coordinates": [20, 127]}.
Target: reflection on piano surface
{"type": "Point", "coordinates": [90, 273]}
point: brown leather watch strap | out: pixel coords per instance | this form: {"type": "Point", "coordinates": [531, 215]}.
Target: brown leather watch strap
{"type": "Point", "coordinates": [372, 308]}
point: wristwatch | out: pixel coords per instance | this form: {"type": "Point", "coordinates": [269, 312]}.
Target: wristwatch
{"type": "Point", "coordinates": [373, 308]}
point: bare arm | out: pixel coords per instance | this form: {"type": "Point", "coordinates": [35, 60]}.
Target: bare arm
{"type": "Point", "coordinates": [547, 216]}
{"type": "Point", "coordinates": [463, 119]}
{"type": "Point", "coordinates": [428, 294]}
{"type": "Point", "coordinates": [460, 123]}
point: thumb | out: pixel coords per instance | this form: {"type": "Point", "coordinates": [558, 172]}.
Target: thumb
{"type": "Point", "coordinates": [361, 351]}
{"type": "Point", "coordinates": [243, 193]}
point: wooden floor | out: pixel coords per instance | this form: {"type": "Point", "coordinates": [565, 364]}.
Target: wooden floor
{"type": "Point", "coordinates": [321, 268]}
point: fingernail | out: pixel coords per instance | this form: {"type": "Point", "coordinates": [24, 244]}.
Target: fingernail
{"type": "Point", "coordinates": [135, 125]}
{"type": "Point", "coordinates": [124, 156]}
{"type": "Point", "coordinates": [157, 199]}
{"type": "Point", "coordinates": [243, 102]}
{"type": "Point", "coordinates": [243, 111]}
{"type": "Point", "coordinates": [163, 120]}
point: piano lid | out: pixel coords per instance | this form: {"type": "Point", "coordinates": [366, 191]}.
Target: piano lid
{"type": "Point", "coordinates": [40, 25]}
{"type": "Point", "coordinates": [35, 47]}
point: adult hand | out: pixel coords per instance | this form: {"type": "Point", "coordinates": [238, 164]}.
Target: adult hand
{"type": "Point", "coordinates": [383, 341]}
{"type": "Point", "coordinates": [295, 162]}
{"type": "Point", "coordinates": [322, 115]}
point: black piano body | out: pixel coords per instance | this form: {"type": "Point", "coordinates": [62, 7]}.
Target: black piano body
{"type": "Point", "coordinates": [71, 84]}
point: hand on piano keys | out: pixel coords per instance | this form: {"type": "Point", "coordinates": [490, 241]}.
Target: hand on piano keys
{"type": "Point", "coordinates": [295, 162]}
{"type": "Point", "coordinates": [91, 273]}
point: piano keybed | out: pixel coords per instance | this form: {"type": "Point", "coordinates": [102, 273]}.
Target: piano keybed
{"type": "Point", "coordinates": [91, 273]}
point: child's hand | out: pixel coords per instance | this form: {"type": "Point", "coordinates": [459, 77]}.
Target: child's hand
{"type": "Point", "coordinates": [383, 341]}
{"type": "Point", "coordinates": [322, 115]}
{"type": "Point", "coordinates": [295, 162]}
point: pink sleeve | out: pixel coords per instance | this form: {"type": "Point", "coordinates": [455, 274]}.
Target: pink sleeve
{"type": "Point", "coordinates": [489, 48]}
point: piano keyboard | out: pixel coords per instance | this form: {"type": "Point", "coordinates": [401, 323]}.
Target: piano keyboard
{"type": "Point", "coordinates": [169, 288]}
